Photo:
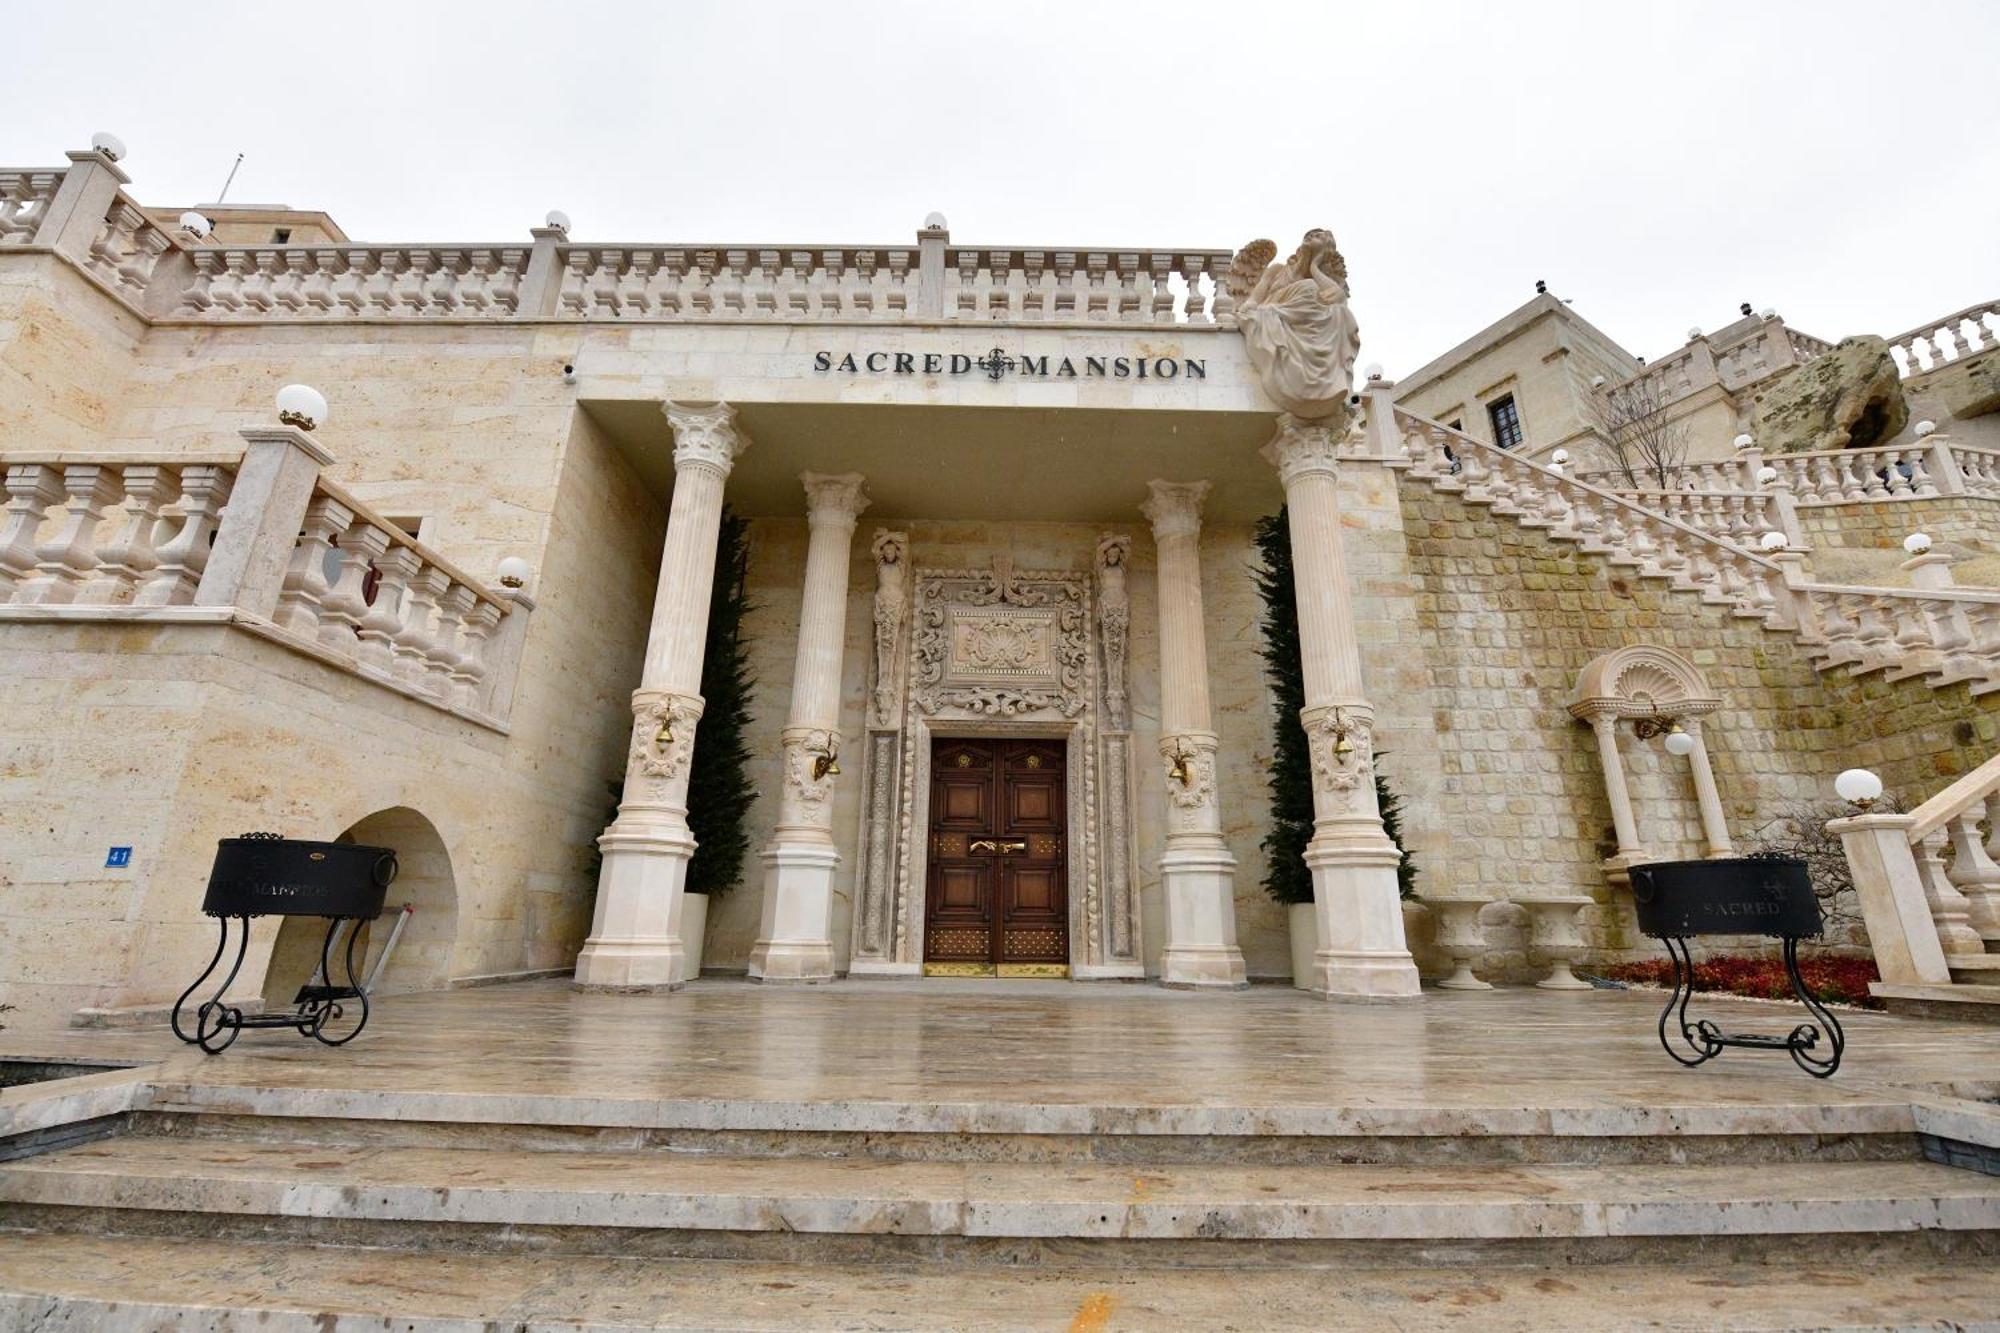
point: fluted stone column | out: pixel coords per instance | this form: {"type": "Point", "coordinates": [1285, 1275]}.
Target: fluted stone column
{"type": "Point", "coordinates": [635, 934]}
{"type": "Point", "coordinates": [1362, 954]}
{"type": "Point", "coordinates": [1197, 873]}
{"type": "Point", "coordinates": [795, 938]}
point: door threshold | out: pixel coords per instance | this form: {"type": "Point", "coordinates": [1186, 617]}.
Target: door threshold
{"type": "Point", "coordinates": [1042, 971]}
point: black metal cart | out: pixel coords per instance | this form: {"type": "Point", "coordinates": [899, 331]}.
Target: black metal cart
{"type": "Point", "coordinates": [263, 874]}
{"type": "Point", "coordinates": [1739, 895]}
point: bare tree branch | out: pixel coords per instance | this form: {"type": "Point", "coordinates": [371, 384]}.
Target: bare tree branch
{"type": "Point", "coordinates": [1637, 438]}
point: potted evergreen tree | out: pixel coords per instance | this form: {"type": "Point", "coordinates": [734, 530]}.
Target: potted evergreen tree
{"type": "Point", "coordinates": [719, 797]}
{"type": "Point", "coordinates": [1286, 877]}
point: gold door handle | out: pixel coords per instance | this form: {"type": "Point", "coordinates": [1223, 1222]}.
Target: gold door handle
{"type": "Point", "coordinates": [997, 846]}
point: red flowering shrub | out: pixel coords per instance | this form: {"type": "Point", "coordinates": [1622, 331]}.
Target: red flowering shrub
{"type": "Point", "coordinates": [1844, 980]}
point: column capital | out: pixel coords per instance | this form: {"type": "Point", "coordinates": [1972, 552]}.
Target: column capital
{"type": "Point", "coordinates": [1301, 448]}
{"type": "Point", "coordinates": [1174, 507]}
{"type": "Point", "coordinates": [832, 498]}
{"type": "Point", "coordinates": [705, 436]}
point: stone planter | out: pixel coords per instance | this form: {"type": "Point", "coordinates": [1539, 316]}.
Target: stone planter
{"type": "Point", "coordinates": [1557, 938]}
{"type": "Point", "coordinates": [1304, 920]}
{"type": "Point", "coordinates": [1460, 936]}
{"type": "Point", "coordinates": [694, 926]}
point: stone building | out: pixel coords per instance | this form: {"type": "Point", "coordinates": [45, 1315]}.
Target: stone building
{"type": "Point", "coordinates": [1010, 714]}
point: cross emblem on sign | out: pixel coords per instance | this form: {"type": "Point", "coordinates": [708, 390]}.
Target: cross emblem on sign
{"type": "Point", "coordinates": [995, 363]}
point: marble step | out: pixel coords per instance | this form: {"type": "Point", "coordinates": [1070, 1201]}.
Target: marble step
{"type": "Point", "coordinates": [1858, 1139]}
{"type": "Point", "coordinates": [446, 1187]}
{"type": "Point", "coordinates": [137, 1285]}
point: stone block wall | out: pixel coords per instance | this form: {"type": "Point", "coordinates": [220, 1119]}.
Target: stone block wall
{"type": "Point", "coordinates": [1882, 524]}
{"type": "Point", "coordinates": [1507, 618]}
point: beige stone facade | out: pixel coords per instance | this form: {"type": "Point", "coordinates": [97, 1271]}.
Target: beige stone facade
{"type": "Point", "coordinates": [589, 409]}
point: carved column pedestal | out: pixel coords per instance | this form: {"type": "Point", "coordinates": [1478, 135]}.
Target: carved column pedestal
{"type": "Point", "coordinates": [635, 936]}
{"type": "Point", "coordinates": [1362, 952]}
{"type": "Point", "coordinates": [1197, 872]}
{"type": "Point", "coordinates": [795, 935]}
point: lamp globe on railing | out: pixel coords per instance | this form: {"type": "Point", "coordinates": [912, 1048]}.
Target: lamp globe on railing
{"type": "Point", "coordinates": [1926, 428]}
{"type": "Point", "coordinates": [302, 405]}
{"type": "Point", "coordinates": [1917, 543]}
{"type": "Point", "coordinates": [194, 224]}
{"type": "Point", "coordinates": [1374, 372]}
{"type": "Point", "coordinates": [1772, 541]}
{"type": "Point", "coordinates": [1858, 787]}
{"type": "Point", "coordinates": [557, 220]}
{"type": "Point", "coordinates": [514, 572]}
{"type": "Point", "coordinates": [1597, 381]}
{"type": "Point", "coordinates": [1677, 741]}
{"type": "Point", "coordinates": [1693, 334]}
{"type": "Point", "coordinates": [1766, 475]}
{"type": "Point", "coordinates": [110, 145]}
{"type": "Point", "coordinates": [934, 221]}
{"type": "Point", "coordinates": [1744, 441]}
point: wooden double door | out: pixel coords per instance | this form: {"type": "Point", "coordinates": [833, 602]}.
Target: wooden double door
{"type": "Point", "coordinates": [997, 889]}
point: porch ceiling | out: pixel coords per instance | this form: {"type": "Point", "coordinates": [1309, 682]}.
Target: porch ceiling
{"type": "Point", "coordinates": [1050, 464]}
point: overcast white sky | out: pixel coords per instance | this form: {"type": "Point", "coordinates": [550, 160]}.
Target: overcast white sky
{"type": "Point", "coordinates": [1656, 163]}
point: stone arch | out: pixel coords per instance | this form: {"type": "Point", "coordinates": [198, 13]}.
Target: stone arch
{"type": "Point", "coordinates": [426, 882]}
{"type": "Point", "coordinates": [1642, 680]}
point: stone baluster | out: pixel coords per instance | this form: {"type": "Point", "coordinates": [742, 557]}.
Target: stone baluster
{"type": "Point", "coordinates": [795, 932]}
{"type": "Point", "coordinates": [291, 289]}
{"type": "Point", "coordinates": [69, 557]}
{"type": "Point", "coordinates": [468, 675]}
{"type": "Point", "coordinates": [1197, 872]}
{"type": "Point", "coordinates": [344, 604]}
{"type": "Point", "coordinates": [1975, 874]}
{"type": "Point", "coordinates": [1950, 913]}
{"type": "Point", "coordinates": [130, 556]}
{"type": "Point", "coordinates": [316, 293]}
{"type": "Point", "coordinates": [382, 622]}
{"type": "Point", "coordinates": [177, 563]}
{"type": "Point", "coordinates": [31, 489]}
{"type": "Point", "coordinates": [635, 938]}
{"type": "Point", "coordinates": [445, 655]}
{"type": "Point", "coordinates": [417, 636]}
{"type": "Point", "coordinates": [1353, 862]}
{"type": "Point", "coordinates": [306, 583]}
{"type": "Point", "coordinates": [350, 287]}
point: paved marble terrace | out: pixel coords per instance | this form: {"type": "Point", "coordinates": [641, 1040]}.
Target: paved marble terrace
{"type": "Point", "coordinates": [1019, 1054]}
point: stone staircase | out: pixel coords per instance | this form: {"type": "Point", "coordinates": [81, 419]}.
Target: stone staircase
{"type": "Point", "coordinates": [273, 1208]}
{"type": "Point", "coordinates": [1945, 636]}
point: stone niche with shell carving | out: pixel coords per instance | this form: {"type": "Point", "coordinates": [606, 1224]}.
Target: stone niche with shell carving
{"type": "Point", "coordinates": [1000, 652]}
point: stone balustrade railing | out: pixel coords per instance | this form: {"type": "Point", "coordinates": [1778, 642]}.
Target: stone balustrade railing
{"type": "Point", "coordinates": [555, 278]}
{"type": "Point", "coordinates": [1930, 922]}
{"type": "Point", "coordinates": [1945, 634]}
{"type": "Point", "coordinates": [1939, 342]}
{"type": "Point", "coordinates": [25, 197]}
{"type": "Point", "coordinates": [1765, 348]}
{"type": "Point", "coordinates": [100, 536]}
{"type": "Point", "coordinates": [369, 593]}
{"type": "Point", "coordinates": [1927, 469]}
{"type": "Point", "coordinates": [1601, 522]}
{"type": "Point", "coordinates": [1736, 516]}
{"type": "Point", "coordinates": [109, 530]}
{"type": "Point", "coordinates": [382, 281]}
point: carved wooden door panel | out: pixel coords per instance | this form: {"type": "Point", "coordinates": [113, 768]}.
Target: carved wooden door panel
{"type": "Point", "coordinates": [997, 897]}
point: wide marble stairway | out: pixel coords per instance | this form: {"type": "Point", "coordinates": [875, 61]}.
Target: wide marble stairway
{"type": "Point", "coordinates": [1003, 1155]}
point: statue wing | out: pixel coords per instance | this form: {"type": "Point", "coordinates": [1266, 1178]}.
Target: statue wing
{"type": "Point", "coordinates": [1248, 266]}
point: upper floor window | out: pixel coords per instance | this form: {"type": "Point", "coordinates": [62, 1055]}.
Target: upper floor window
{"type": "Point", "coordinates": [1506, 422]}
{"type": "Point", "coordinates": [281, 236]}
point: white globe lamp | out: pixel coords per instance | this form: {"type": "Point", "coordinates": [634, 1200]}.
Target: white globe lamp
{"type": "Point", "coordinates": [110, 145]}
{"type": "Point", "coordinates": [934, 221]}
{"type": "Point", "coordinates": [195, 224]}
{"type": "Point", "coordinates": [1678, 742]}
{"type": "Point", "coordinates": [514, 572]}
{"type": "Point", "coordinates": [1926, 428]}
{"type": "Point", "coordinates": [1766, 475]}
{"type": "Point", "coordinates": [303, 406]}
{"type": "Point", "coordinates": [1858, 787]}
{"type": "Point", "coordinates": [1917, 543]}
{"type": "Point", "coordinates": [557, 220]}
{"type": "Point", "coordinates": [1374, 371]}
{"type": "Point", "coordinates": [1772, 541]}
{"type": "Point", "coordinates": [1744, 441]}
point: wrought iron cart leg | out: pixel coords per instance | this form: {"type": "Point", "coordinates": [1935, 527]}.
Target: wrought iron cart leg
{"type": "Point", "coordinates": [1805, 1036]}
{"type": "Point", "coordinates": [218, 1024]}
{"type": "Point", "coordinates": [1696, 1035]}
{"type": "Point", "coordinates": [221, 943]}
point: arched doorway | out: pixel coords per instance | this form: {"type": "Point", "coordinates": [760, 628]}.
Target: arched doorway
{"type": "Point", "coordinates": [422, 956]}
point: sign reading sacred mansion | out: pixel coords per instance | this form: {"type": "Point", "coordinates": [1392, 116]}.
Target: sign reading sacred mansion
{"type": "Point", "coordinates": [422, 546]}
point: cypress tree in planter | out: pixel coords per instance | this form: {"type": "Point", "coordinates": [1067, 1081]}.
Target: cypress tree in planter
{"type": "Point", "coordinates": [1286, 878]}
{"type": "Point", "coordinates": [720, 794]}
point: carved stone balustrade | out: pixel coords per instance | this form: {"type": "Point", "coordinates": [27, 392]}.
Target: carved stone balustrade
{"type": "Point", "coordinates": [87, 529]}
{"type": "Point", "coordinates": [25, 197]}
{"type": "Point", "coordinates": [1939, 342]}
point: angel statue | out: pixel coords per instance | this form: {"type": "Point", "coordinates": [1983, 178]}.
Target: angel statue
{"type": "Point", "coordinates": [1295, 321]}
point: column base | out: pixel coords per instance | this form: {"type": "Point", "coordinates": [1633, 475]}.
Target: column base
{"type": "Point", "coordinates": [635, 941]}
{"type": "Point", "coordinates": [1199, 885]}
{"type": "Point", "coordinates": [1361, 922]}
{"type": "Point", "coordinates": [1130, 971]}
{"type": "Point", "coordinates": [796, 943]}
{"type": "Point", "coordinates": [1194, 967]}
